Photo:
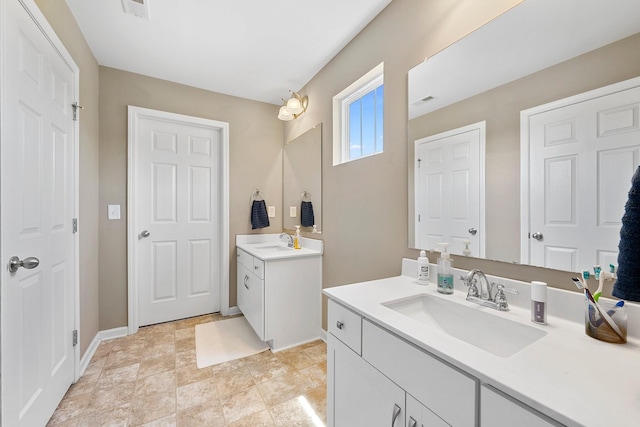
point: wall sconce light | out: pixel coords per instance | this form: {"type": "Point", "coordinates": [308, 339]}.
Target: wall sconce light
{"type": "Point", "coordinates": [293, 107]}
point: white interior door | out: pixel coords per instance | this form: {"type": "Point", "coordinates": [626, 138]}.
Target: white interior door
{"type": "Point", "coordinates": [450, 189]}
{"type": "Point", "coordinates": [177, 216]}
{"type": "Point", "coordinates": [582, 157]}
{"type": "Point", "coordinates": [38, 189]}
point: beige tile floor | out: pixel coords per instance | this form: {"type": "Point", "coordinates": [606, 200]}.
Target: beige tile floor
{"type": "Point", "coordinates": [151, 379]}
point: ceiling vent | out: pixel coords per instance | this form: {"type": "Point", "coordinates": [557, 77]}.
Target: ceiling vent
{"type": "Point", "coordinates": [138, 8]}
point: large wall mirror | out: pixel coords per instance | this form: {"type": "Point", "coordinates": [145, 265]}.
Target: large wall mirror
{"type": "Point", "coordinates": [302, 181]}
{"type": "Point", "coordinates": [536, 53]}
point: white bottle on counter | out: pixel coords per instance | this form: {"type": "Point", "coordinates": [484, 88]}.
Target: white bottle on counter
{"type": "Point", "coordinates": [539, 302]}
{"type": "Point", "coordinates": [423, 268]}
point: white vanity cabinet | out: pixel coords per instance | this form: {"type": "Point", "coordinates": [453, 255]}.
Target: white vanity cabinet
{"type": "Point", "coordinates": [281, 298]}
{"type": "Point", "coordinates": [500, 410]}
{"type": "Point", "coordinates": [390, 375]}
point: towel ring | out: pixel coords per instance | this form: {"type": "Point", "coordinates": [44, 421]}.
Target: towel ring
{"type": "Point", "coordinates": [306, 196]}
{"type": "Point", "coordinates": [257, 196]}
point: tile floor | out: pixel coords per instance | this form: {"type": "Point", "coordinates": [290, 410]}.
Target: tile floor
{"type": "Point", "coordinates": [151, 379]}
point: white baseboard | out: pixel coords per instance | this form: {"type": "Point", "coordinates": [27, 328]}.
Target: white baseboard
{"type": "Point", "coordinates": [323, 335]}
{"type": "Point", "coordinates": [100, 336]}
{"type": "Point", "coordinates": [233, 311]}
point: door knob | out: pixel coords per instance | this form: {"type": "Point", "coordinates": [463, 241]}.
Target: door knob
{"type": "Point", "coordinates": [473, 231]}
{"type": "Point", "coordinates": [15, 263]}
{"type": "Point", "coordinates": [145, 233]}
{"type": "Point", "coordinates": [537, 236]}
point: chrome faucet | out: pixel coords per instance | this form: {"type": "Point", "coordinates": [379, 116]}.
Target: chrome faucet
{"type": "Point", "coordinates": [486, 296]}
{"type": "Point", "coordinates": [289, 239]}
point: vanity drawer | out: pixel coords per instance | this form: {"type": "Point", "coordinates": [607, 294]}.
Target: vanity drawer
{"type": "Point", "coordinates": [345, 325]}
{"type": "Point", "coordinates": [245, 259]}
{"type": "Point", "coordinates": [443, 389]}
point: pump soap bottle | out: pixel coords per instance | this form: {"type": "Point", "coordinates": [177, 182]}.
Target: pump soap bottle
{"type": "Point", "coordinates": [423, 268]}
{"type": "Point", "coordinates": [445, 276]}
{"type": "Point", "coordinates": [296, 239]}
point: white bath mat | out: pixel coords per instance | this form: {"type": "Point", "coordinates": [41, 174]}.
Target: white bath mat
{"type": "Point", "coordinates": [230, 339]}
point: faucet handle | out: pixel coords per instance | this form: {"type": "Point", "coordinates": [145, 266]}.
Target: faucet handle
{"type": "Point", "coordinates": [501, 299]}
{"type": "Point", "coordinates": [473, 289]}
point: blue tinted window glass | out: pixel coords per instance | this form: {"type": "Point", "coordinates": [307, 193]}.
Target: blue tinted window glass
{"type": "Point", "coordinates": [379, 118]}
{"type": "Point", "coordinates": [355, 129]}
{"type": "Point", "coordinates": [368, 123]}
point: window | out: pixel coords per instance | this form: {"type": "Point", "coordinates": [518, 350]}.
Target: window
{"type": "Point", "coordinates": [358, 118]}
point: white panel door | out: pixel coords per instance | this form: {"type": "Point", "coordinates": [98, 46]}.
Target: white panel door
{"type": "Point", "coordinates": [177, 217]}
{"type": "Point", "coordinates": [582, 157]}
{"type": "Point", "coordinates": [450, 190]}
{"type": "Point", "coordinates": [38, 205]}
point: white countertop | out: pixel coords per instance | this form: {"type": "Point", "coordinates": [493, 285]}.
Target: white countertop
{"type": "Point", "coordinates": [269, 247]}
{"type": "Point", "coordinates": [567, 375]}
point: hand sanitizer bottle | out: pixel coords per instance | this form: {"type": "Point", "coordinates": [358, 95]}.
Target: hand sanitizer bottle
{"type": "Point", "coordinates": [423, 269]}
{"type": "Point", "coordinates": [445, 276]}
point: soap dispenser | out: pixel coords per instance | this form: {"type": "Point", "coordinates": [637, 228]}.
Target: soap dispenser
{"type": "Point", "coordinates": [445, 276]}
{"type": "Point", "coordinates": [296, 239]}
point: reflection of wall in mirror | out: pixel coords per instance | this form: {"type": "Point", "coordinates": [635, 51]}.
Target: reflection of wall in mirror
{"type": "Point", "coordinates": [302, 172]}
{"type": "Point", "coordinates": [501, 107]}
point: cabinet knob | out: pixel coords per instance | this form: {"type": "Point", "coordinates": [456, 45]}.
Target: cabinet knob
{"type": "Point", "coordinates": [339, 324]}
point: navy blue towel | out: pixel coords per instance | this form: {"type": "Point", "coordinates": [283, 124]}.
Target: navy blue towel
{"type": "Point", "coordinates": [306, 215]}
{"type": "Point", "coordinates": [628, 284]}
{"type": "Point", "coordinates": [259, 217]}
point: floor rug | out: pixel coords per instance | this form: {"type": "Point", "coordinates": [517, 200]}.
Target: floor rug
{"type": "Point", "coordinates": [218, 342]}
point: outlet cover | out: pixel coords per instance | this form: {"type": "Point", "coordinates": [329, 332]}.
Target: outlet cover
{"type": "Point", "coordinates": [271, 210]}
{"type": "Point", "coordinates": [292, 212]}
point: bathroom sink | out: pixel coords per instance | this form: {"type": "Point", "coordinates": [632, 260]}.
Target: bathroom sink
{"type": "Point", "coordinates": [471, 324]}
{"type": "Point", "coordinates": [276, 247]}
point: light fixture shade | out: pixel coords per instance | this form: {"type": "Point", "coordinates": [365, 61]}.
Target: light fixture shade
{"type": "Point", "coordinates": [294, 106]}
{"type": "Point", "coordinates": [284, 114]}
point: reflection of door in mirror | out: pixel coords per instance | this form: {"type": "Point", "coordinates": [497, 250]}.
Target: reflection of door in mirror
{"type": "Point", "coordinates": [449, 190]}
{"type": "Point", "coordinates": [581, 152]}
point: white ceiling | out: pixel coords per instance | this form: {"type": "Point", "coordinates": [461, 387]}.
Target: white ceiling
{"type": "Point", "coordinates": [255, 49]}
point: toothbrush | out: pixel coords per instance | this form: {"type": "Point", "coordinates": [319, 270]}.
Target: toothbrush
{"type": "Point", "coordinates": [603, 314]}
{"type": "Point", "coordinates": [611, 274]}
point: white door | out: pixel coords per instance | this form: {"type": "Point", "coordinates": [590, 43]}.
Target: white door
{"type": "Point", "coordinates": [38, 205]}
{"type": "Point", "coordinates": [582, 157]}
{"type": "Point", "coordinates": [177, 215]}
{"type": "Point", "coordinates": [450, 190]}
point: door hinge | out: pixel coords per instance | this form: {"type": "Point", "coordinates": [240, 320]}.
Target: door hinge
{"type": "Point", "coordinates": [75, 337]}
{"type": "Point", "coordinates": [418, 217]}
{"type": "Point", "coordinates": [419, 162]}
{"type": "Point", "coordinates": [75, 107]}
{"type": "Point", "coordinates": [75, 225]}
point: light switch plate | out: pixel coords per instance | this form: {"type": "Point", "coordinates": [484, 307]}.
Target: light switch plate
{"type": "Point", "coordinates": [271, 211]}
{"type": "Point", "coordinates": [114, 211]}
{"type": "Point", "coordinates": [292, 211]}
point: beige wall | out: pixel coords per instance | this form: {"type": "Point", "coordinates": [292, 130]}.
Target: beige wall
{"type": "Point", "coordinates": [255, 161]}
{"type": "Point", "coordinates": [65, 26]}
{"type": "Point", "coordinates": [365, 201]}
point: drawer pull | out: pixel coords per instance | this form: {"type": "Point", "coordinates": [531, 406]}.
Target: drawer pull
{"type": "Point", "coordinates": [339, 324]}
{"type": "Point", "coordinates": [246, 278]}
{"type": "Point", "coordinates": [255, 267]}
{"type": "Point", "coordinates": [412, 422]}
{"type": "Point", "coordinates": [396, 414]}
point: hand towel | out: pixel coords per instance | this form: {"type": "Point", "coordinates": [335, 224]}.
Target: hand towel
{"type": "Point", "coordinates": [259, 217]}
{"type": "Point", "coordinates": [627, 285]}
{"type": "Point", "coordinates": [306, 214]}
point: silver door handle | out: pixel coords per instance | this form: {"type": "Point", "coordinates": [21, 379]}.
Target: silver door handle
{"type": "Point", "coordinates": [396, 413]}
{"type": "Point", "coordinates": [246, 278]}
{"type": "Point", "coordinates": [145, 233]}
{"type": "Point", "coordinates": [473, 231]}
{"type": "Point", "coordinates": [15, 263]}
{"type": "Point", "coordinates": [537, 236]}
{"type": "Point", "coordinates": [412, 422]}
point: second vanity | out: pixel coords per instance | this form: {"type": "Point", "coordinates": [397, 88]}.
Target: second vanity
{"type": "Point", "coordinates": [390, 364]}
{"type": "Point", "coordinates": [279, 288]}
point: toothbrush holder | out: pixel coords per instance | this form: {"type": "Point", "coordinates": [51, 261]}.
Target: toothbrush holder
{"type": "Point", "coordinates": [597, 328]}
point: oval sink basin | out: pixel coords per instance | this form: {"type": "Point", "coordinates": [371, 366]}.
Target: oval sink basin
{"type": "Point", "coordinates": [272, 247]}
{"type": "Point", "coordinates": [471, 324]}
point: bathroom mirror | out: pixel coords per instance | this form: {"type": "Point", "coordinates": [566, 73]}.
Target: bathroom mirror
{"type": "Point", "coordinates": [302, 180]}
{"type": "Point", "coordinates": [524, 58]}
